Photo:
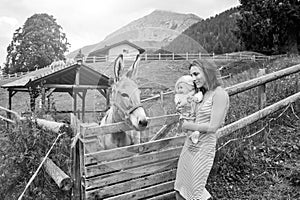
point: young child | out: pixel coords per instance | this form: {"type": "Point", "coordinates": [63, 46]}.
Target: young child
{"type": "Point", "coordinates": [185, 99]}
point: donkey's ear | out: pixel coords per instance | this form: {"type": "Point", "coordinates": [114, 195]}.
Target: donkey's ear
{"type": "Point", "coordinates": [119, 64]}
{"type": "Point", "coordinates": [132, 72]}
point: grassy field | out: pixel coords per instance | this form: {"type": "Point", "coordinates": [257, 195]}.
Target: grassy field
{"type": "Point", "coordinates": [264, 166]}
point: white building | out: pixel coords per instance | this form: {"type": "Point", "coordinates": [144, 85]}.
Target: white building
{"type": "Point", "coordinates": [128, 49]}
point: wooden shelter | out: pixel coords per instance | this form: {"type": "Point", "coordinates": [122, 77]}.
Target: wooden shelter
{"type": "Point", "coordinates": [74, 79]}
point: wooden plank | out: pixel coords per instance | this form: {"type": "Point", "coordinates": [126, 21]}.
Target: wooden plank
{"type": "Point", "coordinates": [76, 154]}
{"type": "Point", "coordinates": [238, 88]}
{"type": "Point", "coordinates": [131, 162]}
{"type": "Point", "coordinates": [257, 115]}
{"type": "Point", "coordinates": [122, 126]}
{"type": "Point", "coordinates": [162, 132]}
{"type": "Point", "coordinates": [132, 185]}
{"type": "Point", "coordinates": [93, 145]}
{"type": "Point", "coordinates": [62, 180]}
{"type": "Point", "coordinates": [123, 152]}
{"type": "Point", "coordinates": [75, 86]}
{"type": "Point", "coordinates": [261, 90]}
{"type": "Point", "coordinates": [146, 192]}
{"type": "Point", "coordinates": [124, 175]}
{"type": "Point", "coordinates": [166, 196]}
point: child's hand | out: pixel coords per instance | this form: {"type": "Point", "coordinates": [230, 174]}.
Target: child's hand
{"type": "Point", "coordinates": [198, 97]}
{"type": "Point", "coordinates": [195, 137]}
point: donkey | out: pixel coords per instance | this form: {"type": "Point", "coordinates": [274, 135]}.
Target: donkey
{"type": "Point", "coordinates": [125, 106]}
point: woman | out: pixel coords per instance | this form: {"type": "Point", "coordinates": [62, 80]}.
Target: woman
{"type": "Point", "coordinates": [196, 160]}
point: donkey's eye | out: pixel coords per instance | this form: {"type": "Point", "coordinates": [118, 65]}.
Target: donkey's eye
{"type": "Point", "coordinates": [125, 95]}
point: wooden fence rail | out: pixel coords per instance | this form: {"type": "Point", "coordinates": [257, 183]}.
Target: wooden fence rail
{"type": "Point", "coordinates": [183, 56]}
{"type": "Point", "coordinates": [148, 170]}
{"type": "Point", "coordinates": [247, 85]}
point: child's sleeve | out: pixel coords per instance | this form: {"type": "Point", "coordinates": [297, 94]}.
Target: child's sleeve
{"type": "Point", "coordinates": [176, 99]}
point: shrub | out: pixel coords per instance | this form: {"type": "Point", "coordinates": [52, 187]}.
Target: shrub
{"type": "Point", "coordinates": [21, 155]}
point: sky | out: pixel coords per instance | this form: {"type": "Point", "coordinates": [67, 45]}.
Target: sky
{"type": "Point", "coordinates": [87, 22]}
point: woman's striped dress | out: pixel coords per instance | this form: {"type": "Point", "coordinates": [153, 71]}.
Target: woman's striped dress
{"type": "Point", "coordinates": [196, 160]}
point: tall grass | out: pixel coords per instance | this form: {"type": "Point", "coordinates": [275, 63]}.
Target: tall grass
{"type": "Point", "coordinates": [254, 164]}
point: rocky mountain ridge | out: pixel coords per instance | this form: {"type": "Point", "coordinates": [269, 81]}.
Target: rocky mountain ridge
{"type": "Point", "coordinates": [149, 32]}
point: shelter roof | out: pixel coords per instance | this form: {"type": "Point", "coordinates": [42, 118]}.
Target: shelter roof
{"type": "Point", "coordinates": [64, 75]}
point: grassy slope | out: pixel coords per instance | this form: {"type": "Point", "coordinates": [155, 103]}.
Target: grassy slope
{"type": "Point", "coordinates": [259, 168]}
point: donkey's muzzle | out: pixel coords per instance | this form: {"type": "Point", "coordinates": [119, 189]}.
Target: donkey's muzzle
{"type": "Point", "coordinates": [143, 123]}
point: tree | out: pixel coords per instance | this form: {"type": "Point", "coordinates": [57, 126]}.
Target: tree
{"type": "Point", "coordinates": [218, 48]}
{"type": "Point", "coordinates": [270, 26]}
{"type": "Point", "coordinates": [37, 44]}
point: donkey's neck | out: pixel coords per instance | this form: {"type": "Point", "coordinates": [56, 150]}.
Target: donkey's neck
{"type": "Point", "coordinates": [119, 138]}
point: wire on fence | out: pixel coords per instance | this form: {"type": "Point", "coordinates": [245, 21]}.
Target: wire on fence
{"type": "Point", "coordinates": [38, 169]}
{"type": "Point", "coordinates": [252, 135]}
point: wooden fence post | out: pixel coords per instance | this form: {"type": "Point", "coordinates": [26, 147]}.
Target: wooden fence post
{"type": "Point", "coordinates": [199, 55]}
{"type": "Point", "coordinates": [262, 90]}
{"type": "Point", "coordinates": [187, 55]}
{"type": "Point", "coordinates": [161, 97]}
{"type": "Point", "coordinates": [146, 57]}
{"type": "Point", "coordinates": [173, 56]}
{"type": "Point", "coordinates": [158, 56]}
{"type": "Point", "coordinates": [77, 161]}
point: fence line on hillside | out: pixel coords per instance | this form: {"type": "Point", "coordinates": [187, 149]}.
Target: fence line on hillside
{"type": "Point", "coordinates": [182, 56]}
{"type": "Point", "coordinates": [8, 76]}
{"type": "Point", "coordinates": [166, 57]}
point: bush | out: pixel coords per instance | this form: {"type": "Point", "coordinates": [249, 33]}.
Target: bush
{"type": "Point", "coordinates": [21, 155]}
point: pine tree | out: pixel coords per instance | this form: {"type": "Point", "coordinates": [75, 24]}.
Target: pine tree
{"type": "Point", "coordinates": [270, 26]}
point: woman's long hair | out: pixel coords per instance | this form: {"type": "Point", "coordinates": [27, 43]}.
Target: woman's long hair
{"type": "Point", "coordinates": [211, 73]}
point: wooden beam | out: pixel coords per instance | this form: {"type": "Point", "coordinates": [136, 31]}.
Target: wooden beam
{"type": "Point", "coordinates": [132, 150]}
{"type": "Point", "coordinates": [257, 115]}
{"type": "Point", "coordinates": [122, 126]}
{"type": "Point", "coordinates": [62, 180]}
{"type": "Point", "coordinates": [133, 185]}
{"type": "Point", "coordinates": [75, 86]}
{"type": "Point", "coordinates": [102, 91]}
{"type": "Point", "coordinates": [43, 98]}
{"type": "Point", "coordinates": [49, 125]}
{"type": "Point", "coordinates": [162, 132]}
{"type": "Point", "coordinates": [77, 160]}
{"type": "Point", "coordinates": [49, 91]}
{"type": "Point", "coordinates": [262, 98]}
{"type": "Point", "coordinates": [74, 95]}
{"type": "Point", "coordinates": [238, 88]}
{"type": "Point", "coordinates": [9, 103]}
{"type": "Point", "coordinates": [83, 105]}
{"type": "Point", "coordinates": [132, 162]}
{"type": "Point", "coordinates": [77, 76]}
{"type": "Point", "coordinates": [18, 89]}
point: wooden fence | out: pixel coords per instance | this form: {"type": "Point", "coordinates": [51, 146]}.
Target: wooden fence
{"type": "Point", "coordinates": [147, 171]}
{"type": "Point", "coordinates": [172, 56]}
{"type": "Point", "coordinates": [8, 76]}
{"type": "Point", "coordinates": [183, 56]}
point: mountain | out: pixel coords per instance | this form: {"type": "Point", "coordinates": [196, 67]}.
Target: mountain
{"type": "Point", "coordinates": [215, 34]}
{"type": "Point", "coordinates": [149, 32]}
